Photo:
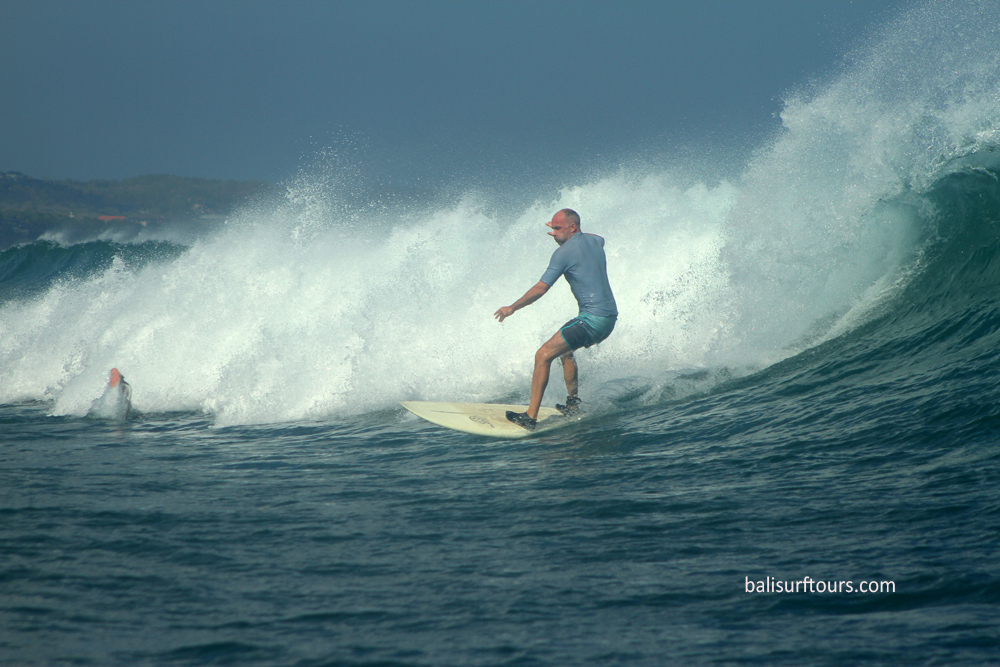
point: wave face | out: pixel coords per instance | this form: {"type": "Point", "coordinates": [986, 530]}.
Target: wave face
{"type": "Point", "coordinates": [873, 211]}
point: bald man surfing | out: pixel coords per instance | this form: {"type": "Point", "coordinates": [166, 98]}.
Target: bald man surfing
{"type": "Point", "coordinates": [580, 258]}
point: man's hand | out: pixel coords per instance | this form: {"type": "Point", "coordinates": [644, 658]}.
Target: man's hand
{"type": "Point", "coordinates": [531, 296]}
{"type": "Point", "coordinates": [504, 313]}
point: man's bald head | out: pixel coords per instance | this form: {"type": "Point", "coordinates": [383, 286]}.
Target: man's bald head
{"type": "Point", "coordinates": [571, 216]}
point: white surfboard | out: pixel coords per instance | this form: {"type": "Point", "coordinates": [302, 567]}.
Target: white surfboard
{"type": "Point", "coordinates": [489, 419]}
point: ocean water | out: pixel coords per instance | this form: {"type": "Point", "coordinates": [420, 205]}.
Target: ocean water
{"type": "Point", "coordinates": [802, 392]}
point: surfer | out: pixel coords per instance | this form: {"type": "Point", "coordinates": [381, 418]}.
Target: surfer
{"type": "Point", "coordinates": [580, 257]}
{"type": "Point", "coordinates": [120, 393]}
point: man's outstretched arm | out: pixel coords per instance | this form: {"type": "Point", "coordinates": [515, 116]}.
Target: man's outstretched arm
{"type": "Point", "coordinates": [531, 296]}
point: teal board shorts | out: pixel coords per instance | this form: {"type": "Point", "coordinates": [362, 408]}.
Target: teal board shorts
{"type": "Point", "coordinates": [585, 330]}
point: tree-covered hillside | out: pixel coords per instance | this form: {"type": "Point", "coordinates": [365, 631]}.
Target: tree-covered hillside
{"type": "Point", "coordinates": [140, 197]}
{"type": "Point", "coordinates": [30, 207]}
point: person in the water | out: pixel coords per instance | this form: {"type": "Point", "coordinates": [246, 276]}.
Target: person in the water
{"type": "Point", "coordinates": [122, 391]}
{"type": "Point", "coordinates": [580, 258]}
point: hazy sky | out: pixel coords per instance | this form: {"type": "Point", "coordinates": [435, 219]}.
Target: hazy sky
{"type": "Point", "coordinates": [252, 89]}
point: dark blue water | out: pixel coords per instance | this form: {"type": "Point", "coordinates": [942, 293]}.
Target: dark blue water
{"type": "Point", "coordinates": [384, 541]}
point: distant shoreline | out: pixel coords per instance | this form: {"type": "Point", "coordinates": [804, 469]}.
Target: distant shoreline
{"type": "Point", "coordinates": [32, 207]}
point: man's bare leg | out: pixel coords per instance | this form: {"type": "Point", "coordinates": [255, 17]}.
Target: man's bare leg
{"type": "Point", "coordinates": [571, 374]}
{"type": "Point", "coordinates": [547, 353]}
